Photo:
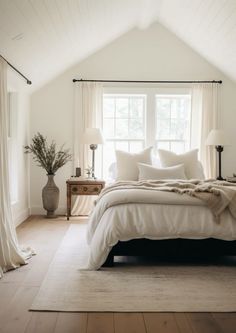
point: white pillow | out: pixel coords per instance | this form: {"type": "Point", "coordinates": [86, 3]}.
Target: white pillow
{"type": "Point", "coordinates": [193, 168]}
{"type": "Point", "coordinates": [200, 171]}
{"type": "Point", "coordinates": [147, 172]}
{"type": "Point", "coordinates": [127, 163]}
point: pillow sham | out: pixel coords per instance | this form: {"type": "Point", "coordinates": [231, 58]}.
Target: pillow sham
{"type": "Point", "coordinates": [127, 163]}
{"type": "Point", "coordinates": [147, 172]}
{"type": "Point", "coordinates": [201, 174]}
{"type": "Point", "coordinates": [193, 168]}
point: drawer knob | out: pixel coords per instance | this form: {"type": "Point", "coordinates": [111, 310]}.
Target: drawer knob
{"type": "Point", "coordinates": [74, 189]}
{"type": "Point", "coordinates": [96, 189]}
{"type": "Point", "coordinates": [85, 188]}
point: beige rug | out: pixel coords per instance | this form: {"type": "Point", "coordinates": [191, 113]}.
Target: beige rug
{"type": "Point", "coordinates": [132, 287]}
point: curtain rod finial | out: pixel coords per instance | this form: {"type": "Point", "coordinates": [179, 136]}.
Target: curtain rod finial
{"type": "Point", "coordinates": [29, 82]}
{"type": "Point", "coordinates": [77, 80]}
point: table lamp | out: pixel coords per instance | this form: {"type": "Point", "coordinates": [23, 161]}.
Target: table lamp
{"type": "Point", "coordinates": [93, 137]}
{"type": "Point", "coordinates": [218, 139]}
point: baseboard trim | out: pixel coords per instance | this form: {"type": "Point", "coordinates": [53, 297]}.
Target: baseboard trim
{"type": "Point", "coordinates": [38, 210]}
{"type": "Point", "coordinates": [21, 217]}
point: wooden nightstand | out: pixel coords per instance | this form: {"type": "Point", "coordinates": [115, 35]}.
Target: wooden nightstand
{"type": "Point", "coordinates": [82, 187]}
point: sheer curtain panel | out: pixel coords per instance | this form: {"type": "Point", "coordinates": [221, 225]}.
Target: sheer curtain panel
{"type": "Point", "coordinates": [205, 104]}
{"type": "Point", "coordinates": [11, 256]}
{"type": "Point", "coordinates": [87, 113]}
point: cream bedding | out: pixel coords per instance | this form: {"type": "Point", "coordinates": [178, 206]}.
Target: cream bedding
{"type": "Point", "coordinates": [217, 195]}
{"type": "Point", "coordinates": [125, 214]}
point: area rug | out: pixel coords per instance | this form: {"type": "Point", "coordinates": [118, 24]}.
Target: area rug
{"type": "Point", "coordinates": [132, 287]}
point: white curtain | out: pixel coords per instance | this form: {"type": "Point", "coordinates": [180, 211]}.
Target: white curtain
{"type": "Point", "coordinates": [205, 110]}
{"type": "Point", "coordinates": [11, 256]}
{"type": "Point", "coordinates": [87, 113]}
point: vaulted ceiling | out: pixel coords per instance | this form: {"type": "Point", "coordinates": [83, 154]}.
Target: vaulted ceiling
{"type": "Point", "coordinates": [44, 37]}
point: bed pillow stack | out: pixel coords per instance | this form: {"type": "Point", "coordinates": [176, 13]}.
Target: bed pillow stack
{"type": "Point", "coordinates": [193, 168]}
{"type": "Point", "coordinates": [127, 163]}
{"type": "Point", "coordinates": [147, 172]}
{"type": "Point", "coordinates": [139, 166]}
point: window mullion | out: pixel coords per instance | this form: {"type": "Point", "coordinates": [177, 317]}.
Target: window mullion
{"type": "Point", "coordinates": [129, 124]}
{"type": "Point", "coordinates": [170, 127]}
{"type": "Point", "coordinates": [150, 123]}
{"type": "Point", "coordinates": [115, 118]}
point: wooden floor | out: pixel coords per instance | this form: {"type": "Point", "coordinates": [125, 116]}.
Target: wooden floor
{"type": "Point", "coordinates": [18, 289]}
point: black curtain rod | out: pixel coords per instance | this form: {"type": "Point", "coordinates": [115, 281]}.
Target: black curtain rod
{"type": "Point", "coordinates": [130, 81]}
{"type": "Point", "coordinates": [27, 80]}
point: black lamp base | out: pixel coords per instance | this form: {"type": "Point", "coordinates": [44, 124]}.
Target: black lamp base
{"type": "Point", "coordinates": [219, 149]}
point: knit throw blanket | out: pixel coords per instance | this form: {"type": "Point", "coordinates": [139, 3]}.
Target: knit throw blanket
{"type": "Point", "coordinates": [217, 195]}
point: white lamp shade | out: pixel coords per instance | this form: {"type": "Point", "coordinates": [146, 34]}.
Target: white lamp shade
{"type": "Point", "coordinates": [217, 137]}
{"type": "Point", "coordinates": [92, 136]}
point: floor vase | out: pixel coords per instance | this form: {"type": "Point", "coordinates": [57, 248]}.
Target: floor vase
{"type": "Point", "coordinates": [50, 196]}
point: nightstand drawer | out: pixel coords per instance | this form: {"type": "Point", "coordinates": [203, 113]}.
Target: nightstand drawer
{"type": "Point", "coordinates": [86, 189]}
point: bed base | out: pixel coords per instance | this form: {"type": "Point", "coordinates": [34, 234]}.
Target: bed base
{"type": "Point", "coordinates": [171, 248]}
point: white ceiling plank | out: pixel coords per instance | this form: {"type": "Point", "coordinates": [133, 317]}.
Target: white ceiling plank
{"type": "Point", "coordinates": [44, 37]}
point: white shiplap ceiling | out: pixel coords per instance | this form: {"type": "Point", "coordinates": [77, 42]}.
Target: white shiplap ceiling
{"type": "Point", "coordinates": [44, 37]}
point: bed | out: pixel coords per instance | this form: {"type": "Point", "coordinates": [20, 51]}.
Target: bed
{"type": "Point", "coordinates": [209, 247]}
{"type": "Point", "coordinates": [141, 222]}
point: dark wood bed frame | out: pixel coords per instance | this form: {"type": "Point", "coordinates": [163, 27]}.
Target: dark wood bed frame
{"type": "Point", "coordinates": [172, 247]}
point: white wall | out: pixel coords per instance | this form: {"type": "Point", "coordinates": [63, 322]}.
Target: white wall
{"type": "Point", "coordinates": [152, 54]}
{"type": "Point", "coordinates": [20, 208]}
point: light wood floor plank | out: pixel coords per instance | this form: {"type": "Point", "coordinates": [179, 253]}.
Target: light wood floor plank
{"type": "Point", "coordinates": [227, 321]}
{"type": "Point", "coordinates": [16, 316]}
{"type": "Point", "coordinates": [71, 323]}
{"type": "Point", "coordinates": [7, 292]}
{"type": "Point", "coordinates": [129, 323]}
{"type": "Point", "coordinates": [183, 323]}
{"type": "Point", "coordinates": [160, 322]}
{"type": "Point", "coordinates": [203, 323]}
{"type": "Point", "coordinates": [42, 322]}
{"type": "Point", "coordinates": [100, 323]}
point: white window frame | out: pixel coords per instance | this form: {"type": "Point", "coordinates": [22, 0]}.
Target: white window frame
{"type": "Point", "coordinates": [173, 96]}
{"type": "Point", "coordinates": [150, 110]}
{"type": "Point", "coordinates": [144, 116]}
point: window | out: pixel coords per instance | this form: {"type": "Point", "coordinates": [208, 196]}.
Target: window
{"type": "Point", "coordinates": [135, 118]}
{"type": "Point", "coordinates": [173, 115]}
{"type": "Point", "coordinates": [123, 125]}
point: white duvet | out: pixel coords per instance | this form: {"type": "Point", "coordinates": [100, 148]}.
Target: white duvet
{"type": "Point", "coordinates": [164, 215]}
